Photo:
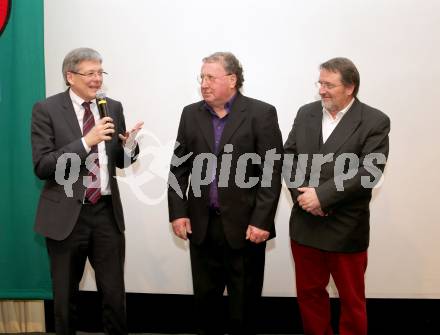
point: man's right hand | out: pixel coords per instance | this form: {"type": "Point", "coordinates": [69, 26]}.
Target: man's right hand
{"type": "Point", "coordinates": [102, 131]}
{"type": "Point", "coordinates": [182, 227]}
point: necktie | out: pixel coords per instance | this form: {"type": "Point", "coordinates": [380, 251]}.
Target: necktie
{"type": "Point", "coordinates": [93, 191]}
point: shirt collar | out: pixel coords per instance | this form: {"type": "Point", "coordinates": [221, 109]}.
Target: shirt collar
{"type": "Point", "coordinates": [78, 101]}
{"type": "Point", "coordinates": [228, 106]}
{"type": "Point", "coordinates": [339, 114]}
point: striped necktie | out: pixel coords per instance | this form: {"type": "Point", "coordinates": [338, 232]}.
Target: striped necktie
{"type": "Point", "coordinates": [93, 191]}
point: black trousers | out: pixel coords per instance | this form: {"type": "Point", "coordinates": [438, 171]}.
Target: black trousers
{"type": "Point", "coordinates": [97, 237]}
{"type": "Point", "coordinates": [215, 265]}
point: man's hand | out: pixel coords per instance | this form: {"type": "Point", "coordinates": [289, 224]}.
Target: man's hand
{"type": "Point", "coordinates": [182, 227]}
{"type": "Point", "coordinates": [102, 131]}
{"type": "Point", "coordinates": [318, 212]}
{"type": "Point", "coordinates": [256, 235]}
{"type": "Point", "coordinates": [129, 137]}
{"type": "Point", "coordinates": [308, 200]}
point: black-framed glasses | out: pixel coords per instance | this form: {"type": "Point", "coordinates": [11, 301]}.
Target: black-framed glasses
{"type": "Point", "coordinates": [91, 74]}
{"type": "Point", "coordinates": [326, 85]}
{"type": "Point", "coordinates": [210, 79]}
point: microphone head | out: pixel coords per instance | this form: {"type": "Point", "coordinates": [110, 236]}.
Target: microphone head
{"type": "Point", "coordinates": [101, 101]}
{"type": "Point", "coordinates": [100, 95]}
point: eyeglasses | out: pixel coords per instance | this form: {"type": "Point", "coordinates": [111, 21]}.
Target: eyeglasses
{"type": "Point", "coordinates": [91, 74]}
{"type": "Point", "coordinates": [326, 85]}
{"type": "Point", "coordinates": [210, 79]}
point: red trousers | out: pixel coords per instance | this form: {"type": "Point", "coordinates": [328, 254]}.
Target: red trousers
{"type": "Point", "coordinates": [313, 268]}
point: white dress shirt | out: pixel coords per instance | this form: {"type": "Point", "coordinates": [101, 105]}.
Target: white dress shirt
{"type": "Point", "coordinates": [103, 159]}
{"type": "Point", "coordinates": [329, 122]}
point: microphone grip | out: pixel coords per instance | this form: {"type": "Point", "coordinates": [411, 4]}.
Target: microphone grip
{"type": "Point", "coordinates": [102, 107]}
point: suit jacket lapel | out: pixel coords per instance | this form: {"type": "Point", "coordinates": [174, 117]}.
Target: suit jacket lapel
{"type": "Point", "coordinates": [70, 115]}
{"type": "Point", "coordinates": [205, 124]}
{"type": "Point", "coordinates": [313, 135]}
{"type": "Point", "coordinates": [236, 117]}
{"type": "Point", "coordinates": [349, 123]}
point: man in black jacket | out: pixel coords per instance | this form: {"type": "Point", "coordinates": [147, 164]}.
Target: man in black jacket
{"type": "Point", "coordinates": [80, 213]}
{"type": "Point", "coordinates": [229, 146]}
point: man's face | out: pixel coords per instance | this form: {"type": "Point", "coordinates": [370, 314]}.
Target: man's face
{"type": "Point", "coordinates": [88, 79]}
{"type": "Point", "coordinates": [334, 95]}
{"type": "Point", "coordinates": [217, 86]}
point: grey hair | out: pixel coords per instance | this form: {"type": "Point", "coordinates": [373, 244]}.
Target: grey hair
{"type": "Point", "coordinates": [349, 72]}
{"type": "Point", "coordinates": [76, 56]}
{"type": "Point", "coordinates": [230, 63]}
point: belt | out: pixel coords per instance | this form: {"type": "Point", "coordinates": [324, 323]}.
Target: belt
{"type": "Point", "coordinates": [214, 211]}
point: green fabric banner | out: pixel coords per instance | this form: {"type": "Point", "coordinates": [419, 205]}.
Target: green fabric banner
{"type": "Point", "coordinates": [24, 266]}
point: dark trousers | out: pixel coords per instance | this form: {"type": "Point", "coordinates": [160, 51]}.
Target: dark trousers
{"type": "Point", "coordinates": [313, 268]}
{"type": "Point", "coordinates": [97, 237]}
{"type": "Point", "coordinates": [215, 265]}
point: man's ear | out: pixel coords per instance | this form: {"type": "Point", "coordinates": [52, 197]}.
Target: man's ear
{"type": "Point", "coordinates": [349, 90]}
{"type": "Point", "coordinates": [233, 80]}
{"type": "Point", "coordinates": [69, 77]}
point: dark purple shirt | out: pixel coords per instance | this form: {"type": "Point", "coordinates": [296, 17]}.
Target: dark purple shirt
{"type": "Point", "coordinates": [218, 125]}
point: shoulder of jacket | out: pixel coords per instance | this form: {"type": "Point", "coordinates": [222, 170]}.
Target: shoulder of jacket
{"type": "Point", "coordinates": [312, 107]}
{"type": "Point", "coordinates": [373, 113]}
{"type": "Point", "coordinates": [192, 108]}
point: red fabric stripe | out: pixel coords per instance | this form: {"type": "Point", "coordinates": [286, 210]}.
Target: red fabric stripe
{"type": "Point", "coordinates": [93, 192]}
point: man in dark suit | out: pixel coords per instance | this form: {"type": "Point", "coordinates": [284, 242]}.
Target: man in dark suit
{"type": "Point", "coordinates": [339, 145]}
{"type": "Point", "coordinates": [80, 210]}
{"type": "Point", "coordinates": [229, 146]}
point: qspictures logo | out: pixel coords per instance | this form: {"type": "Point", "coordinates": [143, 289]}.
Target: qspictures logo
{"type": "Point", "coordinates": [5, 9]}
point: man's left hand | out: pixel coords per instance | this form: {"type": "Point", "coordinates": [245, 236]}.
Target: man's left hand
{"type": "Point", "coordinates": [129, 137]}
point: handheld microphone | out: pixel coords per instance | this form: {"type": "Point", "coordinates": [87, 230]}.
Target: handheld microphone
{"type": "Point", "coordinates": [101, 101]}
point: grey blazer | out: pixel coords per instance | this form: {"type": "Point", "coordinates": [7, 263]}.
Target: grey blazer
{"type": "Point", "coordinates": [55, 131]}
{"type": "Point", "coordinates": [363, 130]}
